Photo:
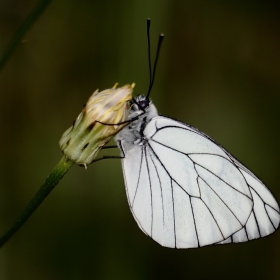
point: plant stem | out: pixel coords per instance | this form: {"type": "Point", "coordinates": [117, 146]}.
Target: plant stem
{"type": "Point", "coordinates": [56, 175]}
{"type": "Point", "coordinates": [26, 25]}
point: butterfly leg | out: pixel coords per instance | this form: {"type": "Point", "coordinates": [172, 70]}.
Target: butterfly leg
{"type": "Point", "coordinates": [108, 157]}
{"type": "Point", "coordinates": [109, 147]}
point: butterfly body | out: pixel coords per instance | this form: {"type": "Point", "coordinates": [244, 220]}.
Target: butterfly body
{"type": "Point", "coordinates": [185, 190]}
{"type": "Point", "coordinates": [134, 131]}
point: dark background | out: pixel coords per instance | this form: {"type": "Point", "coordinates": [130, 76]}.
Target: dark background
{"type": "Point", "coordinates": [219, 70]}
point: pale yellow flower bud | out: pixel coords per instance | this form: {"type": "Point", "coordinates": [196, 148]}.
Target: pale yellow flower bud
{"type": "Point", "coordinates": [89, 133]}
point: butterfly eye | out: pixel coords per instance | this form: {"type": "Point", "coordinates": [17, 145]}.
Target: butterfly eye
{"type": "Point", "coordinates": [144, 104]}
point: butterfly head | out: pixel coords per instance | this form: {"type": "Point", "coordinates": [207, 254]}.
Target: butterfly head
{"type": "Point", "coordinates": [143, 107]}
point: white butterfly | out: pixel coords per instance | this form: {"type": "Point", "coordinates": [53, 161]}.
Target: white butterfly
{"type": "Point", "coordinates": [185, 190]}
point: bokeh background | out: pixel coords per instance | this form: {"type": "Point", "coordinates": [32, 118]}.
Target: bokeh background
{"type": "Point", "coordinates": [219, 70]}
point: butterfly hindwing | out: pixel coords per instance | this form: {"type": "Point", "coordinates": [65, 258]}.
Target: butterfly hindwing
{"type": "Point", "coordinates": [186, 191]}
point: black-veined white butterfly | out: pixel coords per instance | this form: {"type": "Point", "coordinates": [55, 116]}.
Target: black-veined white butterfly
{"type": "Point", "coordinates": [185, 190]}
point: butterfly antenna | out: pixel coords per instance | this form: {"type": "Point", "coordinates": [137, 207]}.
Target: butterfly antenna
{"type": "Point", "coordinates": [149, 51]}
{"type": "Point", "coordinates": [152, 72]}
{"type": "Point", "coordinates": [160, 39]}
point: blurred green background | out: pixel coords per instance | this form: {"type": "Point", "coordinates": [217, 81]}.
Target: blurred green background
{"type": "Point", "coordinates": [219, 70]}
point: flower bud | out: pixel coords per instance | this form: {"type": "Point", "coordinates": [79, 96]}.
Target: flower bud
{"type": "Point", "coordinates": [93, 127]}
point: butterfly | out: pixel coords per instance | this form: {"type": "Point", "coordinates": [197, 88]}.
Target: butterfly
{"type": "Point", "coordinates": [183, 188]}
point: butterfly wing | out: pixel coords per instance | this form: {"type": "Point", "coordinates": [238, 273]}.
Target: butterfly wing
{"type": "Point", "coordinates": [186, 191]}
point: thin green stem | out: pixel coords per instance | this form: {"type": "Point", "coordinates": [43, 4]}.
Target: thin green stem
{"type": "Point", "coordinates": [56, 175]}
{"type": "Point", "coordinates": [26, 25]}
